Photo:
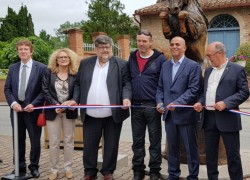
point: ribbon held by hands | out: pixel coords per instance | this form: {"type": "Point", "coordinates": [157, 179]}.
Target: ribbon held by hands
{"type": "Point", "coordinates": [121, 106]}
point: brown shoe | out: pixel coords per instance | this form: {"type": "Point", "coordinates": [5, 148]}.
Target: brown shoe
{"type": "Point", "coordinates": [53, 176]}
{"type": "Point", "coordinates": [69, 174]}
{"type": "Point", "coordinates": [108, 177]}
{"type": "Point", "coordinates": [89, 177]}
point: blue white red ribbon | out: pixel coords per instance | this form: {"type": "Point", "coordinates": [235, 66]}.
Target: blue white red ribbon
{"type": "Point", "coordinates": [121, 106]}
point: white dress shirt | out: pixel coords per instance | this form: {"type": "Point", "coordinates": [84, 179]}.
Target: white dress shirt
{"type": "Point", "coordinates": [212, 85]}
{"type": "Point", "coordinates": [98, 92]}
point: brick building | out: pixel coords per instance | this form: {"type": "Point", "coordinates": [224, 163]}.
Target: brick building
{"type": "Point", "coordinates": [229, 22]}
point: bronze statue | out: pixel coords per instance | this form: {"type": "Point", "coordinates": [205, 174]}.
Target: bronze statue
{"type": "Point", "coordinates": [185, 18]}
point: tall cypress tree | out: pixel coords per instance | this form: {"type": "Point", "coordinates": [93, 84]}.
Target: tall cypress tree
{"type": "Point", "coordinates": [16, 25]}
{"type": "Point", "coordinates": [22, 22]}
{"type": "Point", "coordinates": [30, 26]}
{"type": "Point", "coordinates": [8, 29]}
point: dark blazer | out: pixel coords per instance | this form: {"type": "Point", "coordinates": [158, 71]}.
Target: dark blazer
{"type": "Point", "coordinates": [118, 83]}
{"type": "Point", "coordinates": [232, 90]}
{"type": "Point", "coordinates": [184, 90]}
{"type": "Point", "coordinates": [49, 92]}
{"type": "Point", "coordinates": [33, 94]}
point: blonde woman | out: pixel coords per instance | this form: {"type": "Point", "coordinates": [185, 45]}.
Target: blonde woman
{"type": "Point", "coordinates": [58, 89]}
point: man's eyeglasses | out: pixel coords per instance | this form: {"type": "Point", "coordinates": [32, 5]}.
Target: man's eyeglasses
{"type": "Point", "coordinates": [145, 32]}
{"type": "Point", "coordinates": [104, 47]}
{"type": "Point", "coordinates": [62, 58]}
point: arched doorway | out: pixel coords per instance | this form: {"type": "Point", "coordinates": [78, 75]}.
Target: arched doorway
{"type": "Point", "coordinates": [225, 28]}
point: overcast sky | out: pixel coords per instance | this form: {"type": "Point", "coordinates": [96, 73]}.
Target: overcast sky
{"type": "Point", "coordinates": [50, 14]}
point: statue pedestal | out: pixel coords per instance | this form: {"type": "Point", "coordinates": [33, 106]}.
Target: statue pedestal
{"type": "Point", "coordinates": [222, 159]}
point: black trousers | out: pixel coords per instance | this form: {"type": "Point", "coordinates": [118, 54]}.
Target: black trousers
{"type": "Point", "coordinates": [231, 141]}
{"type": "Point", "coordinates": [93, 129]}
{"type": "Point", "coordinates": [28, 121]}
{"type": "Point", "coordinates": [142, 118]}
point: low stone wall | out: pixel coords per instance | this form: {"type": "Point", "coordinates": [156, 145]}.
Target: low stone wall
{"type": "Point", "coordinates": [2, 96]}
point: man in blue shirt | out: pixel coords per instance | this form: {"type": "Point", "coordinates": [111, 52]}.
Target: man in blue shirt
{"type": "Point", "coordinates": [179, 84]}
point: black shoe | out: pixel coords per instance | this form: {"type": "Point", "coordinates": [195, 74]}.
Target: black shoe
{"type": "Point", "coordinates": [139, 175]}
{"type": "Point", "coordinates": [21, 171]}
{"type": "Point", "coordinates": [1, 161]}
{"type": "Point", "coordinates": [154, 177]}
{"type": "Point", "coordinates": [35, 173]}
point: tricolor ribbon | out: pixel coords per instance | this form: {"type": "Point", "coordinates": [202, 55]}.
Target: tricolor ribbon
{"type": "Point", "coordinates": [133, 106]}
{"type": "Point", "coordinates": [230, 110]}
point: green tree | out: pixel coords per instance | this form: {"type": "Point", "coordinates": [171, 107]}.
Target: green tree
{"type": "Point", "coordinates": [8, 29]}
{"type": "Point", "coordinates": [61, 39]}
{"type": "Point", "coordinates": [16, 25]}
{"type": "Point", "coordinates": [30, 26]}
{"type": "Point", "coordinates": [55, 42]}
{"type": "Point", "coordinates": [65, 26]}
{"type": "Point", "coordinates": [24, 23]}
{"type": "Point", "coordinates": [107, 16]}
{"type": "Point", "coordinates": [244, 50]}
{"type": "Point", "coordinates": [41, 52]}
{"type": "Point", "coordinates": [44, 36]}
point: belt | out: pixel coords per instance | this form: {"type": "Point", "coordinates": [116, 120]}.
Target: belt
{"type": "Point", "coordinates": [88, 116]}
{"type": "Point", "coordinates": [141, 102]}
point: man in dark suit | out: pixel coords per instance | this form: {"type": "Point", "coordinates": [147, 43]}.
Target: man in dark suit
{"type": "Point", "coordinates": [23, 92]}
{"type": "Point", "coordinates": [225, 87]}
{"type": "Point", "coordinates": [103, 79]}
{"type": "Point", "coordinates": [179, 84]}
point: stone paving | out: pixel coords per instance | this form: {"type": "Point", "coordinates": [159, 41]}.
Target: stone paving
{"type": "Point", "coordinates": [6, 153]}
{"type": "Point", "coordinates": [124, 173]}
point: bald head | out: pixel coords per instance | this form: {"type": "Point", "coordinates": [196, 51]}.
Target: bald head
{"type": "Point", "coordinates": [177, 48]}
{"type": "Point", "coordinates": [179, 39]}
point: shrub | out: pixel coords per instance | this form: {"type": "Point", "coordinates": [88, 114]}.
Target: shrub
{"type": "Point", "coordinates": [41, 53]}
{"type": "Point", "coordinates": [243, 53]}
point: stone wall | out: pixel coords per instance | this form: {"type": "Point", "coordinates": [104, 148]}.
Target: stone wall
{"type": "Point", "coordinates": [153, 24]}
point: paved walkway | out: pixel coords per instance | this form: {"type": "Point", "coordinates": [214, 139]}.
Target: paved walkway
{"type": "Point", "coordinates": [124, 173]}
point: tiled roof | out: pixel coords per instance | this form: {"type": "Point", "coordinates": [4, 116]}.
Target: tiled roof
{"type": "Point", "coordinates": [153, 9]}
{"type": "Point", "coordinates": [221, 4]}
{"type": "Point", "coordinates": [206, 5]}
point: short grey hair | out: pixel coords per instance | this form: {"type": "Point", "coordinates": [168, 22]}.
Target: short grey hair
{"type": "Point", "coordinates": [220, 47]}
{"type": "Point", "coordinates": [103, 39]}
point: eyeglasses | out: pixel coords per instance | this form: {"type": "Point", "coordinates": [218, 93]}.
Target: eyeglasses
{"type": "Point", "coordinates": [104, 47]}
{"type": "Point", "coordinates": [144, 32]}
{"type": "Point", "coordinates": [211, 55]}
{"type": "Point", "coordinates": [62, 58]}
